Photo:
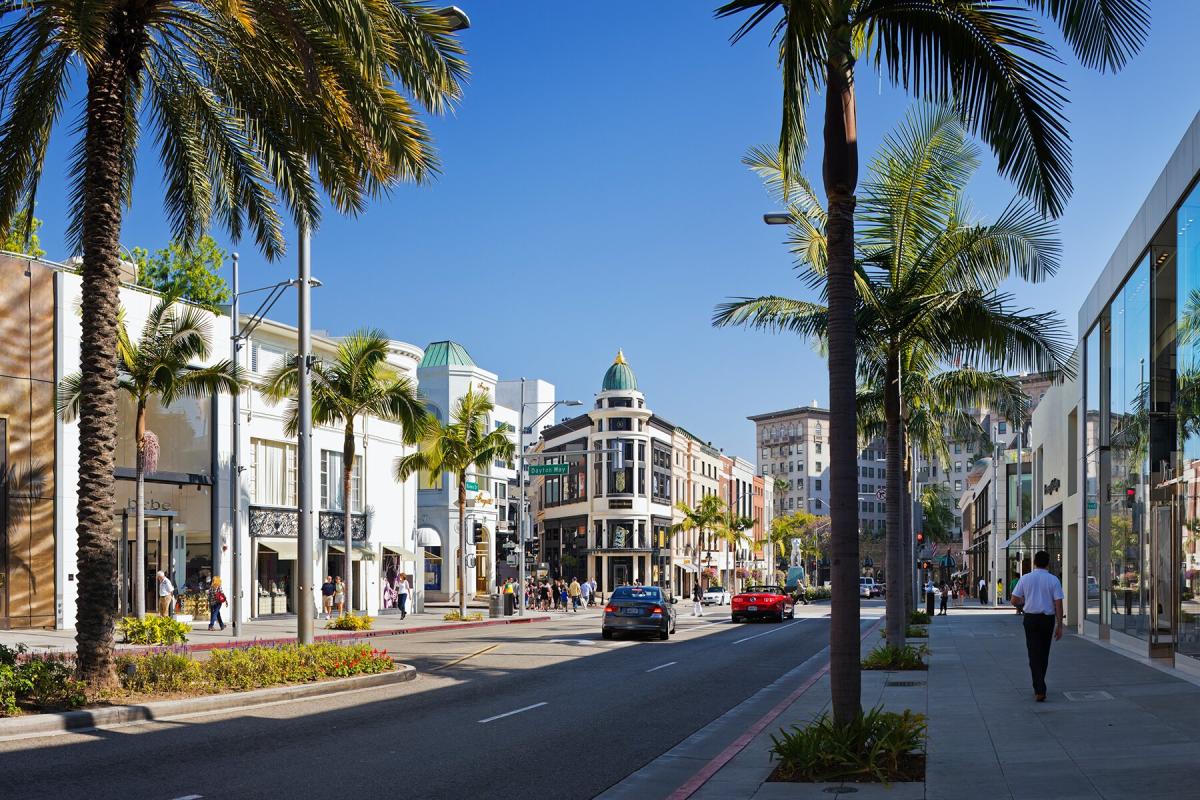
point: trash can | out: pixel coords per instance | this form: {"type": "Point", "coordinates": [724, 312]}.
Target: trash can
{"type": "Point", "coordinates": [494, 607]}
{"type": "Point", "coordinates": [510, 606]}
{"type": "Point", "coordinates": [929, 603]}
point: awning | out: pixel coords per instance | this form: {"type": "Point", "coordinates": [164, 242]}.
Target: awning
{"type": "Point", "coordinates": [1033, 523]}
{"type": "Point", "coordinates": [355, 556]}
{"type": "Point", "coordinates": [285, 548]}
{"type": "Point", "coordinates": [427, 537]}
{"type": "Point", "coordinates": [687, 567]}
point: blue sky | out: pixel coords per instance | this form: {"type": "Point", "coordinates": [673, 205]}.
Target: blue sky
{"type": "Point", "coordinates": [593, 197]}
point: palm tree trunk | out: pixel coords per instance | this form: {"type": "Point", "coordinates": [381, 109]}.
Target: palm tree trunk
{"type": "Point", "coordinates": [840, 173]}
{"type": "Point", "coordinates": [139, 565]}
{"type": "Point", "coordinates": [906, 546]}
{"type": "Point", "coordinates": [347, 517]}
{"type": "Point", "coordinates": [896, 604]}
{"type": "Point", "coordinates": [462, 544]}
{"type": "Point", "coordinates": [104, 147]}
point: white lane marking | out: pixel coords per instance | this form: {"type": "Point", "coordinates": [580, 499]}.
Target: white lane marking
{"type": "Point", "coordinates": [190, 797]}
{"type": "Point", "coordinates": [768, 633]}
{"type": "Point", "coordinates": [662, 666]}
{"type": "Point", "coordinates": [510, 713]}
{"type": "Point", "coordinates": [573, 641]}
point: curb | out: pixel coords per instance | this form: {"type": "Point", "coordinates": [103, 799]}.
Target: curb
{"type": "Point", "coordinates": [64, 721]}
{"type": "Point", "coordinates": [338, 636]}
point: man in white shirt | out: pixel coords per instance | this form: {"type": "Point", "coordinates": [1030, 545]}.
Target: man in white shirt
{"type": "Point", "coordinates": [1040, 595]}
{"type": "Point", "coordinates": [165, 591]}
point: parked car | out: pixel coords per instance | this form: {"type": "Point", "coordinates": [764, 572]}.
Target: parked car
{"type": "Point", "coordinates": [867, 587]}
{"type": "Point", "coordinates": [638, 609]}
{"type": "Point", "coordinates": [715, 596]}
{"type": "Point", "coordinates": [762, 602]}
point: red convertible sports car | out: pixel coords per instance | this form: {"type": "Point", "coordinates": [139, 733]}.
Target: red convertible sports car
{"type": "Point", "coordinates": [763, 602]}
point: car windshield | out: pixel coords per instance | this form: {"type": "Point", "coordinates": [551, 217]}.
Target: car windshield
{"type": "Point", "coordinates": [717, 588]}
{"type": "Point", "coordinates": [637, 593]}
{"type": "Point", "coordinates": [763, 590]}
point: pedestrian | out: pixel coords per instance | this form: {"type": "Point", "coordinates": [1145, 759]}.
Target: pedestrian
{"type": "Point", "coordinates": [403, 588]}
{"type": "Point", "coordinates": [697, 600]}
{"type": "Point", "coordinates": [339, 596]}
{"type": "Point", "coordinates": [1040, 594]}
{"type": "Point", "coordinates": [999, 591]}
{"type": "Point", "coordinates": [586, 592]}
{"type": "Point", "coordinates": [327, 589]}
{"type": "Point", "coordinates": [575, 591]}
{"type": "Point", "coordinates": [945, 597]}
{"type": "Point", "coordinates": [166, 592]}
{"type": "Point", "coordinates": [562, 595]}
{"type": "Point", "coordinates": [1011, 588]}
{"type": "Point", "coordinates": [982, 592]}
{"type": "Point", "coordinates": [216, 599]}
{"type": "Point", "coordinates": [592, 594]}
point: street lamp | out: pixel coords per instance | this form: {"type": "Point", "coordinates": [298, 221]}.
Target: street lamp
{"type": "Point", "coordinates": [778, 218]}
{"type": "Point", "coordinates": [239, 333]}
{"type": "Point", "coordinates": [521, 518]}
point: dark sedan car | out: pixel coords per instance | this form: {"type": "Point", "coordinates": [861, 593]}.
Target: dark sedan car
{"type": "Point", "coordinates": [638, 609]}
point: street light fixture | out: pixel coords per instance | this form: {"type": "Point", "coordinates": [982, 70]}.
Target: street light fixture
{"type": "Point", "coordinates": [778, 218]}
{"type": "Point", "coordinates": [521, 517]}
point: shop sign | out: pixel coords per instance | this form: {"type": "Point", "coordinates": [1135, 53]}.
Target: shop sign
{"type": "Point", "coordinates": [620, 503]}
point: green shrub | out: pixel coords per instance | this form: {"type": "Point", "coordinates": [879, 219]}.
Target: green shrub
{"type": "Point", "coordinates": [37, 682]}
{"type": "Point", "coordinates": [153, 629]}
{"type": "Point", "coordinates": [918, 618]}
{"type": "Point", "coordinates": [886, 657]}
{"type": "Point", "coordinates": [249, 668]}
{"type": "Point", "coordinates": [350, 622]}
{"type": "Point", "coordinates": [454, 616]}
{"type": "Point", "coordinates": [873, 747]}
{"type": "Point", "coordinates": [911, 632]}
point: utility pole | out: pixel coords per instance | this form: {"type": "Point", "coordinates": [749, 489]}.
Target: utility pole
{"type": "Point", "coordinates": [304, 544]}
{"type": "Point", "coordinates": [521, 504]}
{"type": "Point", "coordinates": [235, 470]}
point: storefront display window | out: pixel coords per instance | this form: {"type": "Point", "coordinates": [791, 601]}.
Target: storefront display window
{"type": "Point", "coordinates": [1187, 420]}
{"type": "Point", "coordinates": [1092, 367]}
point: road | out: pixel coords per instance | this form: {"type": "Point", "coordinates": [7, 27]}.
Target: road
{"type": "Point", "coordinates": [542, 710]}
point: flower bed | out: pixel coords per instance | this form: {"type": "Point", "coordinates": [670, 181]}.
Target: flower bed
{"type": "Point", "coordinates": [32, 683]}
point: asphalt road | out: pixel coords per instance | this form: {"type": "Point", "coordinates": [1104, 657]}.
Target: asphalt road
{"type": "Point", "coordinates": [546, 710]}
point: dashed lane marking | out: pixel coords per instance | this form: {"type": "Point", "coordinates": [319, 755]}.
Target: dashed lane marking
{"type": "Point", "coordinates": [662, 666]}
{"type": "Point", "coordinates": [768, 633]}
{"type": "Point", "coordinates": [510, 713]}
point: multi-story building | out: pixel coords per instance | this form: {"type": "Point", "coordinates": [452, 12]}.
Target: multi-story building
{"type": "Point", "coordinates": [611, 518]}
{"type": "Point", "coordinates": [445, 374]}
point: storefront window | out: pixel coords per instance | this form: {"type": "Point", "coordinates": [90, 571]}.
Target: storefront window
{"type": "Point", "coordinates": [332, 482]}
{"type": "Point", "coordinates": [1092, 499]}
{"type": "Point", "coordinates": [1187, 420]}
{"type": "Point", "coordinates": [1129, 451]}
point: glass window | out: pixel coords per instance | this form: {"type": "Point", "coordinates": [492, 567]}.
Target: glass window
{"type": "Point", "coordinates": [331, 482]}
{"type": "Point", "coordinates": [1187, 420]}
{"type": "Point", "coordinates": [272, 473]}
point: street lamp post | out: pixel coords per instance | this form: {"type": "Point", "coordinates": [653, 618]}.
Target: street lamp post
{"type": "Point", "coordinates": [521, 516]}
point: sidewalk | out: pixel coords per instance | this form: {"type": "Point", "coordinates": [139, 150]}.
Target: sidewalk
{"type": "Point", "coordinates": [1111, 728]}
{"type": "Point", "coordinates": [271, 630]}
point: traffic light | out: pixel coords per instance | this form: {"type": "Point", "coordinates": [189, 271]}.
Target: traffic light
{"type": "Point", "coordinates": [925, 564]}
{"type": "Point", "coordinates": [920, 538]}
{"type": "Point", "coordinates": [475, 533]}
{"type": "Point", "coordinates": [1130, 497]}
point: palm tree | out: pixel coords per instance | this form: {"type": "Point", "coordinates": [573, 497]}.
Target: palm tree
{"type": "Point", "coordinates": [356, 383]}
{"type": "Point", "coordinates": [927, 277]}
{"type": "Point", "coordinates": [709, 518]}
{"type": "Point", "coordinates": [455, 447]}
{"type": "Point", "coordinates": [160, 365]}
{"type": "Point", "coordinates": [732, 532]}
{"type": "Point", "coordinates": [994, 61]}
{"type": "Point", "coordinates": [243, 98]}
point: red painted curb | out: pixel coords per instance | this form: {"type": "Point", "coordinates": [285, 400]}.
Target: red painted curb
{"type": "Point", "coordinates": [328, 637]}
{"type": "Point", "coordinates": [693, 784]}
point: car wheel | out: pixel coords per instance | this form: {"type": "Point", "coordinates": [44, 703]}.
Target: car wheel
{"type": "Point", "coordinates": [734, 619]}
{"type": "Point", "coordinates": [664, 634]}
{"type": "Point", "coordinates": [780, 619]}
{"type": "Point", "coordinates": [606, 633]}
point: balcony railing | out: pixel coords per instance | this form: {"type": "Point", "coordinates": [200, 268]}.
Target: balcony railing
{"type": "Point", "coordinates": [273, 521]}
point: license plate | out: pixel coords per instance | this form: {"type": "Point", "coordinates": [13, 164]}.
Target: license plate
{"type": "Point", "coordinates": [631, 612]}
{"type": "Point", "coordinates": [752, 608]}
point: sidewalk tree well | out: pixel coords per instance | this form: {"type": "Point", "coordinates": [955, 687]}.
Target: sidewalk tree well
{"type": "Point", "coordinates": [160, 365]}
{"type": "Point", "coordinates": [927, 275]}
{"type": "Point", "coordinates": [467, 441]}
{"type": "Point", "coordinates": [996, 64]}
{"type": "Point", "coordinates": [258, 108]}
{"type": "Point", "coordinates": [357, 382]}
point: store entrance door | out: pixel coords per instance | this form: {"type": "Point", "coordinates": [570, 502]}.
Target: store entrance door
{"type": "Point", "coordinates": [1163, 598]}
{"type": "Point", "coordinates": [160, 555]}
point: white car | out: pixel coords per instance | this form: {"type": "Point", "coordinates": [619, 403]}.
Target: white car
{"type": "Point", "coordinates": [867, 587]}
{"type": "Point", "coordinates": [715, 596]}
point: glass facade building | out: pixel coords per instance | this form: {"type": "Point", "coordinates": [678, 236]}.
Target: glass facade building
{"type": "Point", "coordinates": [1140, 436]}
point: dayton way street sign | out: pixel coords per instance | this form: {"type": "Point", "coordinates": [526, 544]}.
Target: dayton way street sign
{"type": "Point", "coordinates": [549, 469]}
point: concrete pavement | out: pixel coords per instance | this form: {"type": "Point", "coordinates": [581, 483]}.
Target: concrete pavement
{"type": "Point", "coordinates": [546, 710]}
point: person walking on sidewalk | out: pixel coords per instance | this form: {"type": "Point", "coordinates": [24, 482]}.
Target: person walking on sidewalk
{"type": "Point", "coordinates": [1040, 594]}
{"type": "Point", "coordinates": [982, 592]}
{"type": "Point", "coordinates": [327, 590]}
{"type": "Point", "coordinates": [166, 593]}
{"type": "Point", "coordinates": [402, 590]}
{"type": "Point", "coordinates": [945, 598]}
{"type": "Point", "coordinates": [576, 593]}
{"type": "Point", "coordinates": [216, 599]}
{"type": "Point", "coordinates": [586, 592]}
{"type": "Point", "coordinates": [697, 600]}
{"type": "Point", "coordinates": [999, 591]}
{"type": "Point", "coordinates": [339, 596]}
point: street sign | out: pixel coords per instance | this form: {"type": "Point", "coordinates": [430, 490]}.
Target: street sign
{"type": "Point", "coordinates": [472, 486]}
{"type": "Point", "coordinates": [881, 493]}
{"type": "Point", "coordinates": [549, 469]}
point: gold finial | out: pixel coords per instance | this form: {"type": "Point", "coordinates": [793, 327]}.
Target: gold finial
{"type": "Point", "coordinates": [620, 357]}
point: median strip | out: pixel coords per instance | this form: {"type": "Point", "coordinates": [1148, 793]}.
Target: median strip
{"type": "Point", "coordinates": [510, 713]}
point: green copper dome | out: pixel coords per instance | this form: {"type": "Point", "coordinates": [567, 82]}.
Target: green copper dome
{"type": "Point", "coordinates": [619, 377]}
{"type": "Point", "coordinates": [441, 354]}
